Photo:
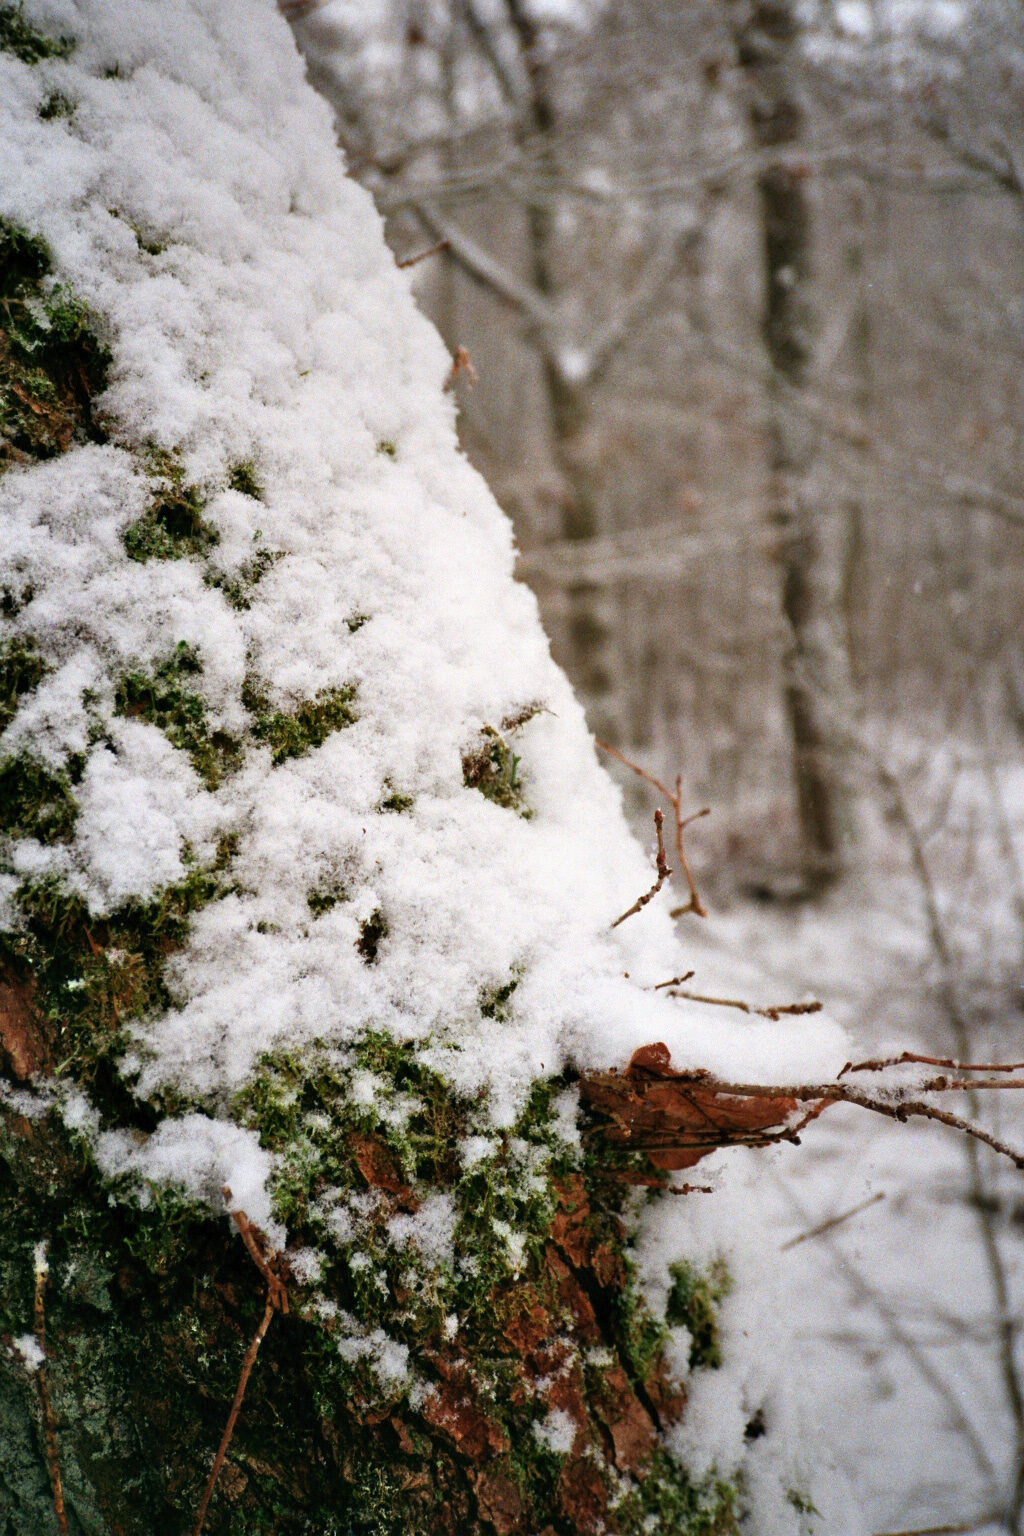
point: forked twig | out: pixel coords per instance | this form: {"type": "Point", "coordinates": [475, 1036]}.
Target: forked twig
{"type": "Point", "coordinates": [277, 1301]}
{"type": "Point", "coordinates": [895, 1107]}
{"type": "Point", "coordinates": [775, 1011]}
{"type": "Point", "coordinates": [461, 363]}
{"type": "Point", "coordinates": [694, 904]}
{"type": "Point", "coordinates": [49, 1422]}
{"type": "Point", "coordinates": [663, 874]}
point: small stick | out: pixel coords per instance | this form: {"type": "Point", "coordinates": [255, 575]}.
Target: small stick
{"type": "Point", "coordinates": [880, 1063]}
{"type": "Point", "coordinates": [432, 250]}
{"type": "Point", "coordinates": [461, 363]}
{"type": "Point", "coordinates": [277, 1301]}
{"type": "Point", "coordinates": [673, 981]}
{"type": "Point", "coordinates": [49, 1422]}
{"type": "Point", "coordinates": [694, 904]}
{"type": "Point", "coordinates": [833, 1221]}
{"type": "Point", "coordinates": [944, 1530]}
{"type": "Point", "coordinates": [663, 874]}
{"type": "Point", "coordinates": [776, 1011]}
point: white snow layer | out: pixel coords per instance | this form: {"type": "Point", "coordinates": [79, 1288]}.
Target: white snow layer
{"type": "Point", "coordinates": [271, 325]}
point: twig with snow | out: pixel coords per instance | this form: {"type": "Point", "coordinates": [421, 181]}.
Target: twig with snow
{"type": "Point", "coordinates": [694, 904]}
{"type": "Point", "coordinates": [663, 874]}
{"type": "Point", "coordinates": [267, 1262]}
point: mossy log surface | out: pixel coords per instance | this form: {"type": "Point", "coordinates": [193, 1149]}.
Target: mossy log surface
{"type": "Point", "coordinates": [151, 1303]}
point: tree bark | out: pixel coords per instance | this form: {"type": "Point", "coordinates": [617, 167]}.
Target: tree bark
{"type": "Point", "coordinates": [809, 538]}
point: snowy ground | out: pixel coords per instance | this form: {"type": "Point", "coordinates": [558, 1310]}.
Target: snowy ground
{"type": "Point", "coordinates": [900, 1358]}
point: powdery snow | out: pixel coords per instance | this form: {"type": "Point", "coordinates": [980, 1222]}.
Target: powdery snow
{"type": "Point", "coordinates": [271, 326]}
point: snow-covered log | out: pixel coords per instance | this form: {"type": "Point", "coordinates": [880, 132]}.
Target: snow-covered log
{"type": "Point", "coordinates": [307, 878]}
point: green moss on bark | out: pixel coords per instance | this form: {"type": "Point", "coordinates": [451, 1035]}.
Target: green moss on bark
{"type": "Point", "coordinates": [52, 365]}
{"type": "Point", "coordinates": [163, 697]}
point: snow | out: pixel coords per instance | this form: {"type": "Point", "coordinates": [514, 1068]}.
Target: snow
{"type": "Point", "coordinates": [272, 327]}
{"type": "Point", "coordinates": [28, 1349]}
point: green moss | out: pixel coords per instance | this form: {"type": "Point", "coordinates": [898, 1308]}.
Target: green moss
{"type": "Point", "coordinates": [51, 364]}
{"type": "Point", "coordinates": [372, 933]}
{"type": "Point", "coordinates": [56, 106]}
{"type": "Point", "coordinates": [88, 976]}
{"type": "Point", "coordinates": [321, 899]}
{"type": "Point", "coordinates": [25, 41]}
{"type": "Point", "coordinates": [35, 801]}
{"type": "Point", "coordinates": [493, 768]}
{"type": "Point", "coordinates": [22, 668]}
{"type": "Point", "coordinates": [237, 585]}
{"type": "Point", "coordinates": [164, 698]}
{"type": "Point", "coordinates": [642, 1335]}
{"type": "Point", "coordinates": [667, 1501]}
{"type": "Point", "coordinates": [495, 1001]}
{"type": "Point", "coordinates": [394, 801]}
{"type": "Point", "coordinates": [693, 1302]}
{"type": "Point", "coordinates": [242, 477]}
{"type": "Point", "coordinates": [387, 448]}
{"type": "Point", "coordinates": [173, 526]}
{"type": "Point", "coordinates": [309, 725]}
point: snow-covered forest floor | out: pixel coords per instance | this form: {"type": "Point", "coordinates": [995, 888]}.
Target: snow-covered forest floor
{"type": "Point", "coordinates": [899, 1354]}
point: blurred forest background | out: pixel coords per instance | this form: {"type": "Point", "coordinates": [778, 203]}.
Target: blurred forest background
{"type": "Point", "coordinates": [742, 287]}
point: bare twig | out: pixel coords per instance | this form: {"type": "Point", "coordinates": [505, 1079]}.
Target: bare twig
{"type": "Point", "coordinates": [833, 1221]}
{"type": "Point", "coordinates": [896, 1106]}
{"type": "Point", "coordinates": [663, 874]}
{"type": "Point", "coordinates": [461, 363]}
{"type": "Point", "coordinates": [267, 1263]}
{"type": "Point", "coordinates": [432, 250]}
{"type": "Point", "coordinates": [673, 981]}
{"type": "Point", "coordinates": [49, 1422]}
{"type": "Point", "coordinates": [775, 1011]}
{"type": "Point", "coordinates": [879, 1064]}
{"type": "Point", "coordinates": [694, 904]}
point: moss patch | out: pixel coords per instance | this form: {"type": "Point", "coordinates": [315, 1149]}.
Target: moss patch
{"type": "Point", "coordinates": [293, 734]}
{"type": "Point", "coordinates": [173, 526]}
{"type": "Point", "coordinates": [35, 801]}
{"type": "Point", "coordinates": [242, 477]}
{"type": "Point", "coordinates": [163, 697]}
{"type": "Point", "coordinates": [51, 364]}
{"type": "Point", "coordinates": [493, 768]}
{"type": "Point", "coordinates": [693, 1302]}
{"type": "Point", "coordinates": [86, 977]}
{"type": "Point", "coordinates": [22, 668]}
{"type": "Point", "coordinates": [237, 585]}
{"type": "Point", "coordinates": [25, 41]}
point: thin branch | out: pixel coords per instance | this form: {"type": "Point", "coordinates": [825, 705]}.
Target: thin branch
{"type": "Point", "coordinates": [49, 1422]}
{"type": "Point", "coordinates": [461, 363]}
{"type": "Point", "coordinates": [673, 981]}
{"type": "Point", "coordinates": [895, 1107]}
{"type": "Point", "coordinates": [833, 1221]}
{"type": "Point", "coordinates": [277, 1301]}
{"type": "Point", "coordinates": [879, 1064]}
{"type": "Point", "coordinates": [663, 874]}
{"type": "Point", "coordinates": [413, 261]}
{"type": "Point", "coordinates": [694, 904]}
{"type": "Point", "coordinates": [483, 269]}
{"type": "Point", "coordinates": [775, 1011]}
